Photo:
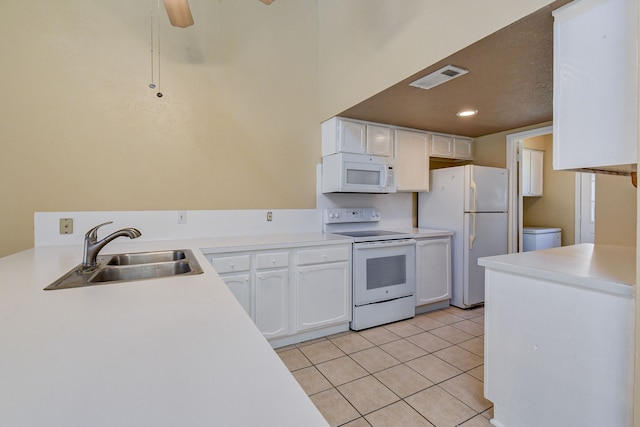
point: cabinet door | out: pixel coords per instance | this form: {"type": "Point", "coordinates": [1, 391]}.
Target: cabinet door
{"type": "Point", "coordinates": [412, 160]}
{"type": "Point", "coordinates": [323, 295]}
{"type": "Point", "coordinates": [462, 148]}
{"type": "Point", "coordinates": [379, 141]}
{"type": "Point", "coordinates": [441, 146]}
{"type": "Point", "coordinates": [433, 270]}
{"type": "Point", "coordinates": [352, 137]}
{"type": "Point", "coordinates": [240, 287]}
{"type": "Point", "coordinates": [271, 287]}
{"type": "Point", "coordinates": [532, 171]}
{"type": "Point", "coordinates": [595, 85]}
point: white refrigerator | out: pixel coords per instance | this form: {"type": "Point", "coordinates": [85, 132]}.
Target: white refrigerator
{"type": "Point", "coordinates": [472, 202]}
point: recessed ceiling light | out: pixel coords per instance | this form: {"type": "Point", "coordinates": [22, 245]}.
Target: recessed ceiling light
{"type": "Point", "coordinates": [466, 113]}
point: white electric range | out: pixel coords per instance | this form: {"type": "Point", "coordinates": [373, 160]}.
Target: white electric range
{"type": "Point", "coordinates": [383, 269]}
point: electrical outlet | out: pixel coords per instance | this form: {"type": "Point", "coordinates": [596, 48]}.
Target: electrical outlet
{"type": "Point", "coordinates": [182, 217]}
{"type": "Point", "coordinates": [269, 216]}
{"type": "Point", "coordinates": [66, 225]}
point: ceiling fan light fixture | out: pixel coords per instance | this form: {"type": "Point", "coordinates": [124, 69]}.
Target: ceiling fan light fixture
{"type": "Point", "coordinates": [466, 113]}
{"type": "Point", "coordinates": [179, 13]}
{"type": "Point", "coordinates": [267, 2]}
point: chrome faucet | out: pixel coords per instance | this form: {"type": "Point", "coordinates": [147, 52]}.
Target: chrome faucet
{"type": "Point", "coordinates": [92, 246]}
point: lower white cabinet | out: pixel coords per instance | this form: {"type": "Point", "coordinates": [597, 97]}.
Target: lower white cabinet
{"type": "Point", "coordinates": [291, 290]}
{"type": "Point", "coordinates": [235, 270]}
{"type": "Point", "coordinates": [433, 270]}
{"type": "Point", "coordinates": [323, 287]}
{"type": "Point", "coordinates": [272, 291]}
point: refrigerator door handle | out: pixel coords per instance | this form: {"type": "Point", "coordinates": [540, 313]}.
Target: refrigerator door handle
{"type": "Point", "coordinates": [474, 198]}
{"type": "Point", "coordinates": [472, 235]}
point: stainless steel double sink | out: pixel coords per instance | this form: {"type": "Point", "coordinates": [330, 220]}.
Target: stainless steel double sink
{"type": "Point", "coordinates": [130, 267]}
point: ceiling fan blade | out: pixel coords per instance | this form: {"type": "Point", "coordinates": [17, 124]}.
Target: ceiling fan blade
{"type": "Point", "coordinates": [267, 2]}
{"type": "Point", "coordinates": [179, 13]}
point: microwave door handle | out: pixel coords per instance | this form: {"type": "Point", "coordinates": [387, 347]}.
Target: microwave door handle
{"type": "Point", "coordinates": [384, 177]}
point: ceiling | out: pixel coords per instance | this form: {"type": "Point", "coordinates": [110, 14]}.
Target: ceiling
{"type": "Point", "coordinates": [510, 83]}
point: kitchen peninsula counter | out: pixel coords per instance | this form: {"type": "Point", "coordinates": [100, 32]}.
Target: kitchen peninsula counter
{"type": "Point", "coordinates": [559, 336]}
{"type": "Point", "coordinates": [176, 351]}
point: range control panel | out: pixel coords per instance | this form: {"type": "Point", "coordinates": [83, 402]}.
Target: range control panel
{"type": "Point", "coordinates": [346, 215]}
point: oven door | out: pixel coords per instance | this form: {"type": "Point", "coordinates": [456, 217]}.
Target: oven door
{"type": "Point", "coordinates": [383, 270]}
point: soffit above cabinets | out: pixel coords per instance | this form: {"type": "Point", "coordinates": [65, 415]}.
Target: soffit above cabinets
{"type": "Point", "coordinates": [510, 83]}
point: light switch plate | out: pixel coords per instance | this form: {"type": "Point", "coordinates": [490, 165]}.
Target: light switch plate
{"type": "Point", "coordinates": [66, 225]}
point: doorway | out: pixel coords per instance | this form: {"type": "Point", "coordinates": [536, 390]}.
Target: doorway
{"type": "Point", "coordinates": [557, 208]}
{"type": "Point", "coordinates": [514, 154]}
{"type": "Point", "coordinates": [585, 207]}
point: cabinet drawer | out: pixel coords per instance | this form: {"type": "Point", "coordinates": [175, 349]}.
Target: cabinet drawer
{"type": "Point", "coordinates": [317, 256]}
{"type": "Point", "coordinates": [231, 264]}
{"type": "Point", "coordinates": [272, 260]}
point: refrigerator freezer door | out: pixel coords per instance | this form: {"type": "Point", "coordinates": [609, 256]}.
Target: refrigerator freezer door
{"type": "Point", "coordinates": [485, 189]}
{"type": "Point", "coordinates": [485, 234]}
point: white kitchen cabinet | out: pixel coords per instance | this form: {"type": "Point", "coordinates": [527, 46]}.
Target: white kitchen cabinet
{"type": "Point", "coordinates": [433, 270]}
{"type": "Point", "coordinates": [412, 160]}
{"type": "Point", "coordinates": [595, 85]}
{"type": "Point", "coordinates": [451, 147]}
{"type": "Point", "coordinates": [260, 283]}
{"type": "Point", "coordinates": [272, 302]}
{"type": "Point", "coordinates": [532, 172]}
{"type": "Point", "coordinates": [288, 304]}
{"type": "Point", "coordinates": [324, 292]}
{"type": "Point", "coordinates": [341, 135]}
{"type": "Point", "coordinates": [235, 272]}
{"type": "Point", "coordinates": [379, 140]}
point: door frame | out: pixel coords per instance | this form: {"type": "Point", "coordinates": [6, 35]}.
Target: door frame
{"type": "Point", "coordinates": [514, 155]}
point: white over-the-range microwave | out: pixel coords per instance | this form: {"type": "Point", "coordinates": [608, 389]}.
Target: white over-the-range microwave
{"type": "Point", "coordinates": [358, 173]}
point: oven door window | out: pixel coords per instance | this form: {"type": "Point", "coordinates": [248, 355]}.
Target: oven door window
{"type": "Point", "coordinates": [387, 271]}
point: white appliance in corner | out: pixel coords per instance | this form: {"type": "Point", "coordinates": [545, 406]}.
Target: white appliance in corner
{"type": "Point", "coordinates": [472, 202]}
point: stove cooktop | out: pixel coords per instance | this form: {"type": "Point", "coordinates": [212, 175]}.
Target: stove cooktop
{"type": "Point", "coordinates": [373, 235]}
{"type": "Point", "coordinates": [369, 233]}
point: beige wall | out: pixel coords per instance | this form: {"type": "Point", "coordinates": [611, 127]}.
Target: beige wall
{"type": "Point", "coordinates": [244, 92]}
{"type": "Point", "coordinates": [615, 210]}
{"type": "Point", "coordinates": [237, 127]}
{"type": "Point", "coordinates": [556, 207]}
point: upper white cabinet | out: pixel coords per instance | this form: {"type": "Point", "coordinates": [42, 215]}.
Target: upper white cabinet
{"type": "Point", "coordinates": [379, 140]}
{"type": "Point", "coordinates": [341, 135]}
{"type": "Point", "coordinates": [451, 147]}
{"type": "Point", "coordinates": [532, 171]}
{"type": "Point", "coordinates": [595, 85]}
{"type": "Point", "coordinates": [412, 160]}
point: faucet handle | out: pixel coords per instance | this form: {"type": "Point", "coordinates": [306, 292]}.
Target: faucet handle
{"type": "Point", "coordinates": [93, 233]}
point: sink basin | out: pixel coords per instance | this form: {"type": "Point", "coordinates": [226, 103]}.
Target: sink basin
{"type": "Point", "coordinates": [131, 267]}
{"type": "Point", "coordinates": [144, 257]}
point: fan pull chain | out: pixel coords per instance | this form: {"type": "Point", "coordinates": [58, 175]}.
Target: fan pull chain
{"type": "Point", "coordinates": [152, 85]}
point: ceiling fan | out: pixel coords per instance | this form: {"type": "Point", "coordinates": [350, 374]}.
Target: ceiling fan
{"type": "Point", "coordinates": [180, 14]}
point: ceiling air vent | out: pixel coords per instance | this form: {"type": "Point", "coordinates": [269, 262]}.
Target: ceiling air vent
{"type": "Point", "coordinates": [436, 78]}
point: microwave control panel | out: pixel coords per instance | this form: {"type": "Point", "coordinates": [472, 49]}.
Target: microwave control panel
{"type": "Point", "coordinates": [346, 215]}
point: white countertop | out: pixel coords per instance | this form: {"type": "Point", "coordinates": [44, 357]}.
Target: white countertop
{"type": "Point", "coordinates": [165, 352]}
{"type": "Point", "coordinates": [602, 268]}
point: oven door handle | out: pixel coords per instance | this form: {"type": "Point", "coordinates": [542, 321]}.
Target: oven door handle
{"type": "Point", "coordinates": [384, 244]}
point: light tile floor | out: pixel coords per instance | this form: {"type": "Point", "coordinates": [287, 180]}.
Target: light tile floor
{"type": "Point", "coordinates": [425, 371]}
